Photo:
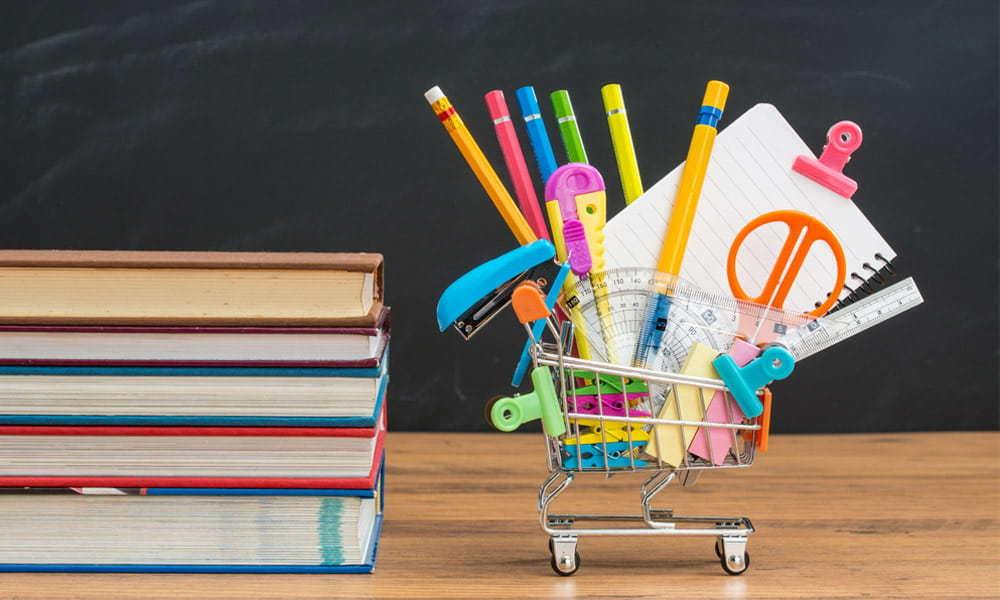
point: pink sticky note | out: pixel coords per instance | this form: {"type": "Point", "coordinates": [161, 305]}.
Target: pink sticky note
{"type": "Point", "coordinates": [722, 409]}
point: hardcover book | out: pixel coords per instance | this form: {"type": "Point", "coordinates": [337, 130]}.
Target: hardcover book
{"type": "Point", "coordinates": [68, 287]}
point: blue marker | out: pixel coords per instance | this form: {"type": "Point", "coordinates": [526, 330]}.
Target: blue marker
{"type": "Point", "coordinates": [533, 122]}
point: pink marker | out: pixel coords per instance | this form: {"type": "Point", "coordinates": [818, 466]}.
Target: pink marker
{"type": "Point", "coordinates": [713, 443]}
{"type": "Point", "coordinates": [518, 169]}
{"type": "Point", "coordinates": [841, 141]}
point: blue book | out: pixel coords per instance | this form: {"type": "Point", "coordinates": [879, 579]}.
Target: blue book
{"type": "Point", "coordinates": [191, 530]}
{"type": "Point", "coordinates": [194, 396]}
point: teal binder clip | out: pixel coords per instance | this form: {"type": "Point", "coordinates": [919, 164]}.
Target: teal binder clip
{"type": "Point", "coordinates": [743, 382]}
{"type": "Point", "coordinates": [479, 295]}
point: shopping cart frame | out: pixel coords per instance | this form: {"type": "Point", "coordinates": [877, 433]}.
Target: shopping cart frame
{"type": "Point", "coordinates": [563, 529]}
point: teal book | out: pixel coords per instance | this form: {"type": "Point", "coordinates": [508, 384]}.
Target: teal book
{"type": "Point", "coordinates": [191, 530]}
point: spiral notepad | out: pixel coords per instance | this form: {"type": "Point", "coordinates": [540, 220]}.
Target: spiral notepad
{"type": "Point", "coordinates": [750, 174]}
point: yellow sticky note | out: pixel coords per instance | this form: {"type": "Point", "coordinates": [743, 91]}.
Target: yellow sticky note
{"type": "Point", "coordinates": [670, 442]}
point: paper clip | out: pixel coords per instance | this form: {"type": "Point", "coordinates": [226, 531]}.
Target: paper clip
{"type": "Point", "coordinates": [598, 435]}
{"type": "Point", "coordinates": [592, 456]}
{"type": "Point", "coordinates": [612, 407]}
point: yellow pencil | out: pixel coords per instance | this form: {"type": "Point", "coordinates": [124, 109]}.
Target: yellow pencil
{"type": "Point", "coordinates": [621, 141]}
{"type": "Point", "coordinates": [480, 166]}
{"type": "Point", "coordinates": [692, 178]}
{"type": "Point", "coordinates": [681, 219]}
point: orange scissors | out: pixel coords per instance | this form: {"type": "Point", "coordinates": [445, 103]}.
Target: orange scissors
{"type": "Point", "coordinates": [777, 287]}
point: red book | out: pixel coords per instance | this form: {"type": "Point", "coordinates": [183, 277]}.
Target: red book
{"type": "Point", "coordinates": [146, 346]}
{"type": "Point", "coordinates": [191, 457]}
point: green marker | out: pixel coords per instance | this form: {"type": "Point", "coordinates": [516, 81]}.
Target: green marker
{"type": "Point", "coordinates": [569, 131]}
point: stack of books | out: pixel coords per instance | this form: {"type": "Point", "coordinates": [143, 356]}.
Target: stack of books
{"type": "Point", "coordinates": [181, 411]}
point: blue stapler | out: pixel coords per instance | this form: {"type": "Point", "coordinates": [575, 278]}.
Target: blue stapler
{"type": "Point", "coordinates": [476, 297]}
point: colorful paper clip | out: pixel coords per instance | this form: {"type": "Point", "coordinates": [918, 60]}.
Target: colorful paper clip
{"type": "Point", "coordinates": [598, 434]}
{"type": "Point", "coordinates": [608, 384]}
{"type": "Point", "coordinates": [592, 456]}
{"type": "Point", "coordinates": [612, 405]}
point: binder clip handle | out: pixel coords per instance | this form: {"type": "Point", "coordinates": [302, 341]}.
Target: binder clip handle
{"type": "Point", "coordinates": [775, 363]}
{"type": "Point", "coordinates": [509, 413]}
{"type": "Point", "coordinates": [841, 141]}
{"type": "Point", "coordinates": [529, 302]}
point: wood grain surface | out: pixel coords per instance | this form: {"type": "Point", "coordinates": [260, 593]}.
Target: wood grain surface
{"type": "Point", "coordinates": [837, 516]}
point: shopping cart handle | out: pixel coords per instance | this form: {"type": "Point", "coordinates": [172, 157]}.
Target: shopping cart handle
{"type": "Point", "coordinates": [743, 382]}
{"type": "Point", "coordinates": [507, 414]}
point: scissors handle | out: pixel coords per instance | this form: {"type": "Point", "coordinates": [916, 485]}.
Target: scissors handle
{"type": "Point", "coordinates": [777, 287]}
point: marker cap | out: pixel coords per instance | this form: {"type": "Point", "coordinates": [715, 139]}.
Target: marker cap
{"type": "Point", "coordinates": [528, 100]}
{"type": "Point", "coordinates": [496, 104]}
{"type": "Point", "coordinates": [612, 95]}
{"type": "Point", "coordinates": [561, 104]}
{"type": "Point", "coordinates": [716, 93]}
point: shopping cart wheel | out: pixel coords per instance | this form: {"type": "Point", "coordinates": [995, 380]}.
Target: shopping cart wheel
{"type": "Point", "coordinates": [563, 567]}
{"type": "Point", "coordinates": [565, 558]}
{"type": "Point", "coordinates": [733, 565]}
{"type": "Point", "coordinates": [718, 548]}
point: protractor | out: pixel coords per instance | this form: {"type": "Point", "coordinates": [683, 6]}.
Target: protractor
{"type": "Point", "coordinates": [694, 317]}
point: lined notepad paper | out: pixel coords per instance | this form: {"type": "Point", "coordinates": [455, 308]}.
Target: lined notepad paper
{"type": "Point", "coordinates": [750, 174]}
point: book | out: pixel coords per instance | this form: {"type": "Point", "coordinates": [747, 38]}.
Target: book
{"type": "Point", "coordinates": [201, 396]}
{"type": "Point", "coordinates": [195, 346]}
{"type": "Point", "coordinates": [238, 457]}
{"type": "Point", "coordinates": [751, 174]}
{"type": "Point", "coordinates": [67, 287]}
{"type": "Point", "coordinates": [191, 530]}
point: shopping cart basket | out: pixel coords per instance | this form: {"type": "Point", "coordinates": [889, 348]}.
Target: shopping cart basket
{"type": "Point", "coordinates": [598, 418]}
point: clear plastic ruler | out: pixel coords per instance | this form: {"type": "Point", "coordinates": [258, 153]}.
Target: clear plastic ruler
{"type": "Point", "coordinates": [716, 319]}
{"type": "Point", "coordinates": [820, 334]}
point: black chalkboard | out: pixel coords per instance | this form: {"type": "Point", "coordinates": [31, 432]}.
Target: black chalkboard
{"type": "Point", "coordinates": [302, 126]}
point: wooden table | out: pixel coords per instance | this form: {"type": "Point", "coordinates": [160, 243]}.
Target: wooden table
{"type": "Point", "coordinates": [838, 516]}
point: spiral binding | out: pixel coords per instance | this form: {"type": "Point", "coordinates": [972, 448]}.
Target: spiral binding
{"type": "Point", "coordinates": [879, 277]}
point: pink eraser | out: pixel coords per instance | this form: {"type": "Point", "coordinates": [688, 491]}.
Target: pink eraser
{"type": "Point", "coordinates": [713, 443]}
{"type": "Point", "coordinates": [576, 247]}
{"type": "Point", "coordinates": [841, 141]}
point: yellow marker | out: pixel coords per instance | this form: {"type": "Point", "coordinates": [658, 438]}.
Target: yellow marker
{"type": "Point", "coordinates": [480, 166]}
{"type": "Point", "coordinates": [621, 140]}
{"type": "Point", "coordinates": [689, 191]}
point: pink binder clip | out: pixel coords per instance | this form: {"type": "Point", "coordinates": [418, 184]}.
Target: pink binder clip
{"type": "Point", "coordinates": [841, 141]}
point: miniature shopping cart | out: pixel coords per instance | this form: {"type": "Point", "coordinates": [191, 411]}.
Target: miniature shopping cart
{"type": "Point", "coordinates": [598, 418]}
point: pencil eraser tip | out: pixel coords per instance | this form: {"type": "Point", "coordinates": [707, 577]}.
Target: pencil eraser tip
{"type": "Point", "coordinates": [434, 94]}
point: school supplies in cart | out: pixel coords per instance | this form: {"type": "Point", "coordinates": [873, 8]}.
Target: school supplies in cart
{"type": "Point", "coordinates": [751, 174]}
{"type": "Point", "coordinates": [769, 239]}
